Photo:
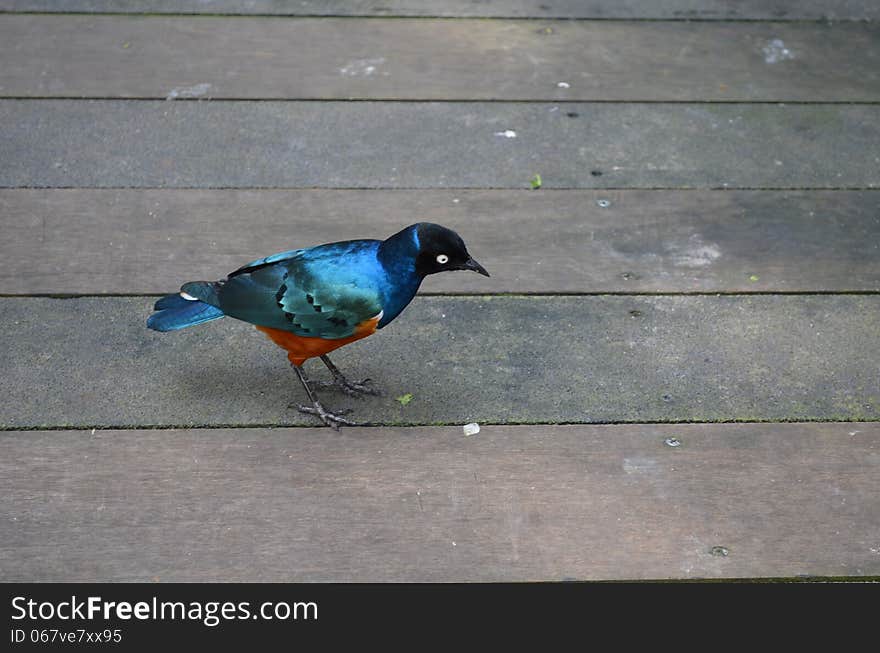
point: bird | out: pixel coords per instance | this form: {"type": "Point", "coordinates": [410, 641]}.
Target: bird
{"type": "Point", "coordinates": [312, 301]}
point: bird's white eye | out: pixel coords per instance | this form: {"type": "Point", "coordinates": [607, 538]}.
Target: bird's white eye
{"type": "Point", "coordinates": [442, 259]}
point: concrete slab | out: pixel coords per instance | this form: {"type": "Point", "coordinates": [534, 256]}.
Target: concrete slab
{"type": "Point", "coordinates": [516, 503]}
{"type": "Point", "coordinates": [540, 242]}
{"type": "Point", "coordinates": [91, 361]}
{"type": "Point", "coordinates": [417, 59]}
{"type": "Point", "coordinates": [66, 143]}
{"type": "Point", "coordinates": [674, 9]}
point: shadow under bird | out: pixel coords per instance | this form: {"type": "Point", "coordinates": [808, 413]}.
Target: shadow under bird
{"type": "Point", "coordinates": [312, 301]}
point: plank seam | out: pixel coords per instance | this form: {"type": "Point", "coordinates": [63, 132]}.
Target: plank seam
{"type": "Point", "coordinates": [800, 578]}
{"type": "Point", "coordinates": [293, 425]}
{"type": "Point", "coordinates": [823, 20]}
{"type": "Point", "coordinates": [510, 294]}
{"type": "Point", "coordinates": [393, 100]}
{"type": "Point", "coordinates": [462, 188]}
{"type": "Point", "coordinates": [453, 189]}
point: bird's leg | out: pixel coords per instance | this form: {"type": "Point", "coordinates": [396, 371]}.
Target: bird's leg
{"type": "Point", "coordinates": [339, 381]}
{"type": "Point", "coordinates": [316, 408]}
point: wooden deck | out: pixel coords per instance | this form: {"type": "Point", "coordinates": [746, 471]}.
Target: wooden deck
{"type": "Point", "coordinates": [701, 268]}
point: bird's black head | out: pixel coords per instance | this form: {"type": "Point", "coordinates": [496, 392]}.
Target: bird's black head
{"type": "Point", "coordinates": [441, 249]}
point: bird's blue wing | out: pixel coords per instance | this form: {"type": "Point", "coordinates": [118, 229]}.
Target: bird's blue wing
{"type": "Point", "coordinates": [323, 292]}
{"type": "Point", "coordinates": [268, 260]}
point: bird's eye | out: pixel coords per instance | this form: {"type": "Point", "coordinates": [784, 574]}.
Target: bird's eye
{"type": "Point", "coordinates": [442, 259]}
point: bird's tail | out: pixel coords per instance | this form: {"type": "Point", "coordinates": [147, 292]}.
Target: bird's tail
{"type": "Point", "coordinates": [180, 310]}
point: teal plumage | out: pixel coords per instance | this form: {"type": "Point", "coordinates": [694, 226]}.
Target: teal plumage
{"type": "Point", "coordinates": [322, 292]}
{"type": "Point", "coordinates": [328, 292]}
{"type": "Point", "coordinates": [174, 312]}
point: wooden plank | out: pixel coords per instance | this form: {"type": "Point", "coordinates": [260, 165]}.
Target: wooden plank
{"type": "Point", "coordinates": [663, 9]}
{"type": "Point", "coordinates": [539, 242]}
{"type": "Point", "coordinates": [518, 503]}
{"type": "Point", "coordinates": [69, 143]}
{"type": "Point", "coordinates": [340, 58]}
{"type": "Point", "coordinates": [508, 359]}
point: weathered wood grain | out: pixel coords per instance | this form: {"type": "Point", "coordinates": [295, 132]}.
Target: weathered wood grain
{"type": "Point", "coordinates": [94, 241]}
{"type": "Point", "coordinates": [91, 361]}
{"type": "Point", "coordinates": [429, 504]}
{"type": "Point", "coordinates": [675, 9]}
{"type": "Point", "coordinates": [341, 58]}
{"type": "Point", "coordinates": [69, 143]}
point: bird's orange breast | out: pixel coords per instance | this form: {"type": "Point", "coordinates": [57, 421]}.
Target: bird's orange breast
{"type": "Point", "coordinates": [301, 348]}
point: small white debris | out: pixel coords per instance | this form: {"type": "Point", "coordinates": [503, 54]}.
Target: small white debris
{"type": "Point", "coordinates": [604, 204]}
{"type": "Point", "coordinates": [93, 431]}
{"type": "Point", "coordinates": [507, 133]}
{"type": "Point", "coordinates": [471, 429]}
{"type": "Point", "coordinates": [563, 85]}
{"type": "Point", "coordinates": [775, 51]}
{"type": "Point", "coordinates": [189, 298]}
{"type": "Point", "coordinates": [454, 544]}
{"type": "Point", "coordinates": [198, 90]}
{"type": "Point", "coordinates": [455, 200]}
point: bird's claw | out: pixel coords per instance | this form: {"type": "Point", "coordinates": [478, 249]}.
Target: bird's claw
{"type": "Point", "coordinates": [317, 385]}
{"type": "Point", "coordinates": [358, 388]}
{"type": "Point", "coordinates": [351, 388]}
{"type": "Point", "coordinates": [333, 420]}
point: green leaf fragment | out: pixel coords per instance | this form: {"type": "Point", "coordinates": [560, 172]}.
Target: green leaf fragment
{"type": "Point", "coordinates": [536, 182]}
{"type": "Point", "coordinates": [405, 399]}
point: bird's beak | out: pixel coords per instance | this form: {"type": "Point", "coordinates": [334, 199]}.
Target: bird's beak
{"type": "Point", "coordinates": [471, 264]}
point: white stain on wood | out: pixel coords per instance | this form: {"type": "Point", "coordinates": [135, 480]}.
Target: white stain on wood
{"type": "Point", "coordinates": [775, 51]}
{"type": "Point", "coordinates": [363, 67]}
{"type": "Point", "coordinates": [197, 90]}
{"type": "Point", "coordinates": [696, 253]}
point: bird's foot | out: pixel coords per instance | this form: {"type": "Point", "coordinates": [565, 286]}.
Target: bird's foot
{"type": "Point", "coordinates": [333, 420]}
{"type": "Point", "coordinates": [351, 388]}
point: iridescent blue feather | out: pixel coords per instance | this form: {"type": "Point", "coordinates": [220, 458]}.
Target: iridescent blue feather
{"type": "Point", "coordinates": [324, 291]}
